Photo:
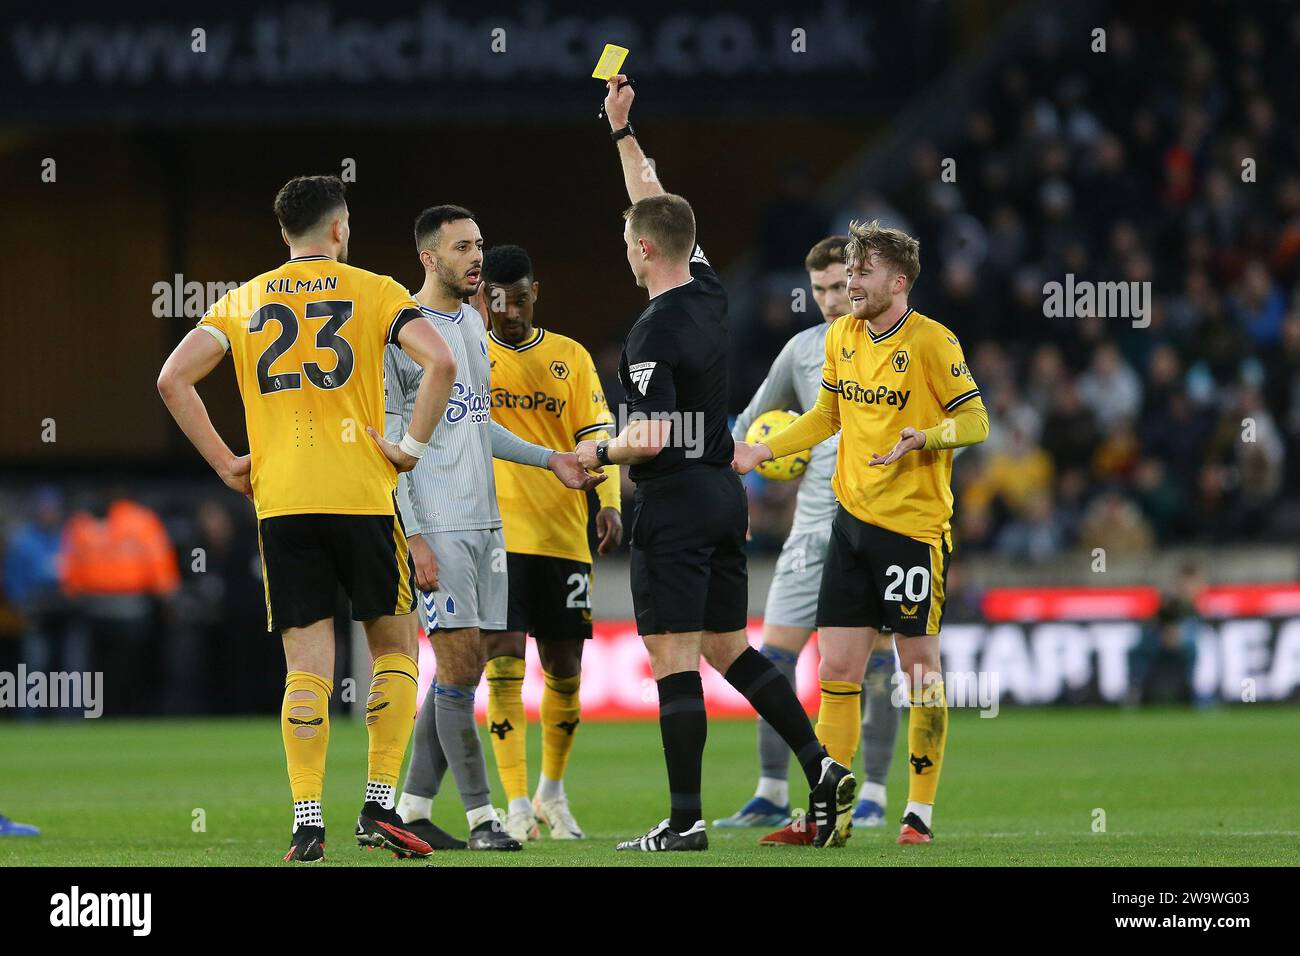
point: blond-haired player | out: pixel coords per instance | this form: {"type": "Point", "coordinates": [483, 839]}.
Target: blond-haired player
{"type": "Point", "coordinates": [789, 618]}
{"type": "Point", "coordinates": [896, 386]}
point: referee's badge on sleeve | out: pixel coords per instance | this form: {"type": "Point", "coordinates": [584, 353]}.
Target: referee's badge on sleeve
{"type": "Point", "coordinates": [640, 375]}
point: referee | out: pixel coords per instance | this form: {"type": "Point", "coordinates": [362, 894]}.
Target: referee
{"type": "Point", "coordinates": [689, 583]}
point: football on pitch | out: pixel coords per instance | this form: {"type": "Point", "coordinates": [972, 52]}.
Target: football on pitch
{"type": "Point", "coordinates": [778, 469]}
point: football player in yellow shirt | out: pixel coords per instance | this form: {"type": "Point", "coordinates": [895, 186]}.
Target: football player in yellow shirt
{"type": "Point", "coordinates": [897, 388]}
{"type": "Point", "coordinates": [307, 340]}
{"type": "Point", "coordinates": [544, 389]}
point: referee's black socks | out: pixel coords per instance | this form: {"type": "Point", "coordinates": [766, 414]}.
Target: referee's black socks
{"type": "Point", "coordinates": [683, 726]}
{"type": "Point", "coordinates": [774, 698]}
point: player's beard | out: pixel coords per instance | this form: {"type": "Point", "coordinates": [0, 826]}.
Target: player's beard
{"type": "Point", "coordinates": [876, 303]}
{"type": "Point", "coordinates": [457, 285]}
{"type": "Point", "coordinates": [343, 253]}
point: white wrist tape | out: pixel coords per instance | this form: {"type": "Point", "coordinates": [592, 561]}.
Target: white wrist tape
{"type": "Point", "coordinates": [412, 447]}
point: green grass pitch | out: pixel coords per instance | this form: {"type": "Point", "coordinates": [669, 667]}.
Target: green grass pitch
{"type": "Point", "coordinates": [1176, 787]}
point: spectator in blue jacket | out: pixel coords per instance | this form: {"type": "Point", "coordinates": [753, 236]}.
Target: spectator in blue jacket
{"type": "Point", "coordinates": [31, 581]}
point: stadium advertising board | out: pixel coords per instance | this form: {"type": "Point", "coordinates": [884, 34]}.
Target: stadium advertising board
{"type": "Point", "coordinates": [325, 59]}
{"type": "Point", "coordinates": [1034, 646]}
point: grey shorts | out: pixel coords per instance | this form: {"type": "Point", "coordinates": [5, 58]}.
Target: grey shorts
{"type": "Point", "coordinates": [473, 589]}
{"type": "Point", "coordinates": [792, 597]}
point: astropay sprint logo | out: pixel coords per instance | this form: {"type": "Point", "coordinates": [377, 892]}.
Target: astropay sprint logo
{"type": "Point", "coordinates": [77, 909]}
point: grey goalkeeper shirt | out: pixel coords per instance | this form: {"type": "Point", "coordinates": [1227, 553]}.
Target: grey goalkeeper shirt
{"type": "Point", "coordinates": [794, 382]}
{"type": "Point", "coordinates": [453, 487]}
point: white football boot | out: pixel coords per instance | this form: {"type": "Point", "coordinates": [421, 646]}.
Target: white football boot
{"type": "Point", "coordinates": [557, 816]}
{"type": "Point", "coordinates": [521, 824]}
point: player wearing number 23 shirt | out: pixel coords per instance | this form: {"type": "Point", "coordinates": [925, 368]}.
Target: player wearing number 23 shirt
{"type": "Point", "coordinates": [307, 341]}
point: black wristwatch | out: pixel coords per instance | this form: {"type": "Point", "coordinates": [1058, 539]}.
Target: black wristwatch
{"type": "Point", "coordinates": [602, 452]}
{"type": "Point", "coordinates": [618, 134]}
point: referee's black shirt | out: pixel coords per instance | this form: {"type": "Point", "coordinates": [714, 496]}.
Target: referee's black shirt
{"type": "Point", "coordinates": [675, 360]}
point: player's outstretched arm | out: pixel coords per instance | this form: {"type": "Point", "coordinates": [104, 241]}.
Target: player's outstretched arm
{"type": "Point", "coordinates": [969, 425]}
{"type": "Point", "coordinates": [811, 428]}
{"type": "Point", "coordinates": [638, 173]}
{"type": "Point", "coordinates": [746, 457]}
{"type": "Point", "coordinates": [566, 467]}
{"type": "Point", "coordinates": [193, 359]}
{"type": "Point", "coordinates": [429, 350]}
{"type": "Point", "coordinates": [508, 446]}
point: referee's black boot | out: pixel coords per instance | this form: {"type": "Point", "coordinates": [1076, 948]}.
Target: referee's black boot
{"type": "Point", "coordinates": [831, 804]}
{"type": "Point", "coordinates": [663, 838]}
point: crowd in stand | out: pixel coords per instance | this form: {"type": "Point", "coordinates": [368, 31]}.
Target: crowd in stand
{"type": "Point", "coordinates": [1172, 163]}
{"type": "Point", "coordinates": [170, 611]}
{"type": "Point", "coordinates": [167, 603]}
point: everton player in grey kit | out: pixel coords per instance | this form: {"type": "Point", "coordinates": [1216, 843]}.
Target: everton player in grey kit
{"type": "Point", "coordinates": [689, 586]}
{"type": "Point", "coordinates": [449, 510]}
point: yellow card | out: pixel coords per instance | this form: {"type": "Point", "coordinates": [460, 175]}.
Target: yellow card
{"type": "Point", "coordinates": [611, 60]}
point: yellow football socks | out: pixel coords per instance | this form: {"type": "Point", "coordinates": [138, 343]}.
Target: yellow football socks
{"type": "Point", "coordinates": [927, 733]}
{"type": "Point", "coordinates": [305, 726]}
{"type": "Point", "coordinates": [507, 724]}
{"type": "Point", "coordinates": [559, 714]}
{"type": "Point", "coordinates": [390, 715]}
{"type": "Point", "coordinates": [839, 720]}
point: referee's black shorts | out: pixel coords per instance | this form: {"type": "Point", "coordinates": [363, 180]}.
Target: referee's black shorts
{"type": "Point", "coordinates": [881, 579]}
{"type": "Point", "coordinates": [307, 557]}
{"type": "Point", "coordinates": [688, 552]}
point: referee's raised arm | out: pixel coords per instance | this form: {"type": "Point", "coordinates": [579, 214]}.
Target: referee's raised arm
{"type": "Point", "coordinates": [638, 172]}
